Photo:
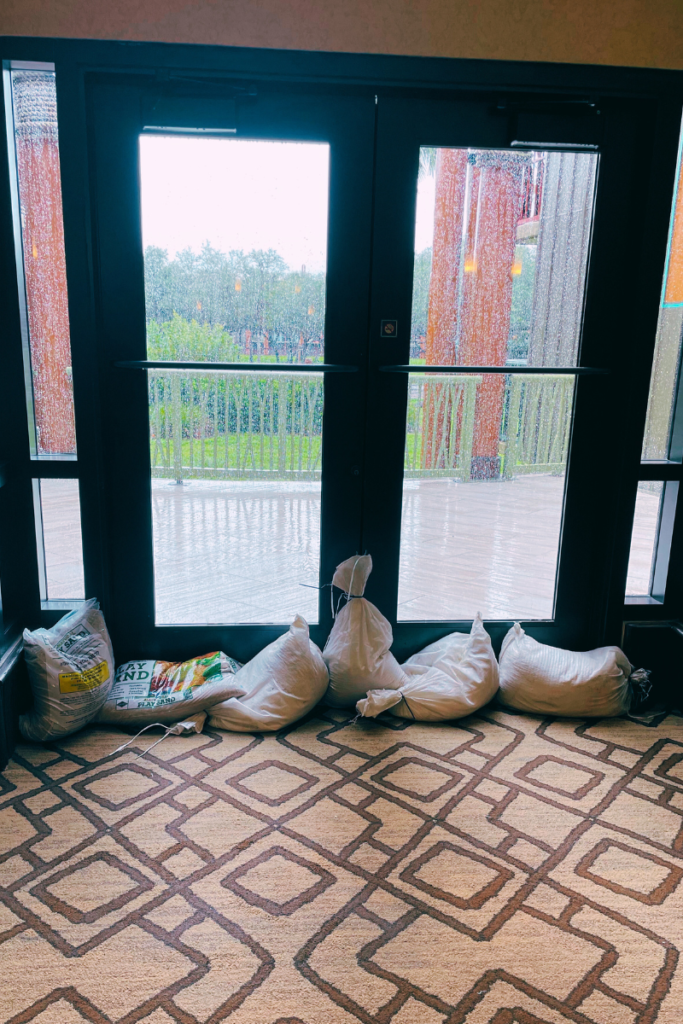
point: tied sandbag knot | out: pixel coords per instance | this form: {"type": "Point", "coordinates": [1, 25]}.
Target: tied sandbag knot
{"type": "Point", "coordinates": [640, 684]}
{"type": "Point", "coordinates": [405, 701]}
{"type": "Point", "coordinates": [339, 580]}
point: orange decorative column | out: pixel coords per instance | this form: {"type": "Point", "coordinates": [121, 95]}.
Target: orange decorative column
{"type": "Point", "coordinates": [40, 195]}
{"type": "Point", "coordinates": [493, 211]}
{"type": "Point", "coordinates": [451, 179]}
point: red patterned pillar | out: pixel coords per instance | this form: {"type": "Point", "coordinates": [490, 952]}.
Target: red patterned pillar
{"type": "Point", "coordinates": [40, 195]}
{"type": "Point", "coordinates": [451, 179]}
{"type": "Point", "coordinates": [494, 208]}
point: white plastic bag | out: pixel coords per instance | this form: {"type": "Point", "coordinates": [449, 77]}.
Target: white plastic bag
{"type": "Point", "coordinates": [451, 678]}
{"type": "Point", "coordinates": [281, 684]}
{"type": "Point", "coordinates": [146, 692]}
{"type": "Point", "coordinates": [357, 650]}
{"type": "Point", "coordinates": [570, 684]}
{"type": "Point", "coordinates": [71, 670]}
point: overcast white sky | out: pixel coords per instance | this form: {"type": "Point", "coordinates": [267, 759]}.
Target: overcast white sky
{"type": "Point", "coordinates": [244, 194]}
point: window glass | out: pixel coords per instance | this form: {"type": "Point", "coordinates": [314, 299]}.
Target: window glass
{"type": "Point", "coordinates": [644, 538]}
{"type": "Point", "coordinates": [60, 549]}
{"type": "Point", "coordinates": [235, 243]}
{"type": "Point", "coordinates": [665, 366]}
{"type": "Point", "coordinates": [501, 251]}
{"type": "Point", "coordinates": [41, 262]}
{"type": "Point", "coordinates": [487, 545]}
{"type": "Point", "coordinates": [235, 236]}
{"type": "Point", "coordinates": [501, 254]}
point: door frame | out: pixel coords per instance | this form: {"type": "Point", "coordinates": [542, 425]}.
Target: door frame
{"type": "Point", "coordinates": [623, 136]}
{"type": "Point", "coordinates": [345, 118]}
{"type": "Point", "coordinates": [658, 92]}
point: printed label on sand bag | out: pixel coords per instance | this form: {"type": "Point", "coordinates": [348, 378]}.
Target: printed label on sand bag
{"type": "Point", "coordinates": [76, 682]}
{"type": "Point", "coordinates": [154, 684]}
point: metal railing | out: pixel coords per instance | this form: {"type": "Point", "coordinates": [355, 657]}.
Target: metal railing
{"type": "Point", "coordinates": [242, 426]}
{"type": "Point", "coordinates": [537, 424]}
{"type": "Point", "coordinates": [440, 426]}
{"type": "Point", "coordinates": [239, 426]}
{"type": "Point", "coordinates": [535, 427]}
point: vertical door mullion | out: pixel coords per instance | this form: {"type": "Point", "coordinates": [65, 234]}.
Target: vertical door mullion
{"type": "Point", "coordinates": [123, 393]}
{"type": "Point", "coordinates": [90, 414]}
{"type": "Point", "coordinates": [397, 156]}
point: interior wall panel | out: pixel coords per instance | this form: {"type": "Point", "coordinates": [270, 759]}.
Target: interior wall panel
{"type": "Point", "coordinates": [636, 33]}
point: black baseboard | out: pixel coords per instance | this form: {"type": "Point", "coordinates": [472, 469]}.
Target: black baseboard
{"type": "Point", "coordinates": [658, 646]}
{"type": "Point", "coordinates": [14, 698]}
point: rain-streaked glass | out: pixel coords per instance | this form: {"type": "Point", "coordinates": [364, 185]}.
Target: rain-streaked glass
{"type": "Point", "coordinates": [644, 538]}
{"type": "Point", "coordinates": [60, 547]}
{"type": "Point", "coordinates": [235, 236]}
{"type": "Point", "coordinates": [472, 544]}
{"type": "Point", "coordinates": [501, 253]}
{"type": "Point", "coordinates": [665, 366]}
{"type": "Point", "coordinates": [42, 266]}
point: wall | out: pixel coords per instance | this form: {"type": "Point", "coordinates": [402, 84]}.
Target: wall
{"type": "Point", "coordinates": [639, 33]}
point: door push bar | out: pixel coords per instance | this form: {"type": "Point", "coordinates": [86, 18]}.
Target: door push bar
{"type": "Point", "coordinates": [574, 371]}
{"type": "Point", "coordinates": [167, 364]}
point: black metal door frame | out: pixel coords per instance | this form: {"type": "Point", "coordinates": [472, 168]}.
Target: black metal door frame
{"type": "Point", "coordinates": [625, 136]}
{"type": "Point", "coordinates": [343, 118]}
{"type": "Point", "coordinates": [644, 120]}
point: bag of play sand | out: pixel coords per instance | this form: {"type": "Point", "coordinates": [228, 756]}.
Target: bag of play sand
{"type": "Point", "coordinates": [168, 691]}
{"type": "Point", "coordinates": [71, 670]}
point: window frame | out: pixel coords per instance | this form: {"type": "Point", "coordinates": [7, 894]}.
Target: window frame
{"type": "Point", "coordinates": [660, 93]}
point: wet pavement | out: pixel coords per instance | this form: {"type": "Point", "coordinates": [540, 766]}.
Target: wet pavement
{"type": "Point", "coordinates": [248, 551]}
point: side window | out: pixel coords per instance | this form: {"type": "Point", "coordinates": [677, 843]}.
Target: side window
{"type": "Point", "coordinates": [663, 439]}
{"type": "Point", "coordinates": [33, 141]}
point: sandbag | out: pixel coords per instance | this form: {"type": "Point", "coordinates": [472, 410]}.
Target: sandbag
{"type": "Point", "coordinates": [147, 692]}
{"type": "Point", "coordinates": [451, 678]}
{"type": "Point", "coordinates": [357, 651]}
{"type": "Point", "coordinates": [280, 685]}
{"type": "Point", "coordinates": [570, 684]}
{"type": "Point", "coordinates": [71, 671]}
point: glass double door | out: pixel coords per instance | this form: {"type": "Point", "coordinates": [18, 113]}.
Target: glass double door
{"type": "Point", "coordinates": [333, 323]}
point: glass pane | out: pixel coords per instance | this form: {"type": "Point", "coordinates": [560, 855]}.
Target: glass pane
{"type": "Point", "coordinates": [235, 235]}
{"type": "Point", "coordinates": [501, 254]}
{"type": "Point", "coordinates": [501, 251]}
{"type": "Point", "coordinates": [42, 263]}
{"type": "Point", "coordinates": [644, 538]}
{"type": "Point", "coordinates": [470, 544]}
{"type": "Point", "coordinates": [58, 518]}
{"type": "Point", "coordinates": [658, 425]}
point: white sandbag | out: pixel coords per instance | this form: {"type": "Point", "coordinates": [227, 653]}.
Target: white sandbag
{"type": "Point", "coordinates": [357, 650]}
{"type": "Point", "coordinates": [451, 678]}
{"type": "Point", "coordinates": [570, 684]}
{"type": "Point", "coordinates": [71, 671]}
{"type": "Point", "coordinates": [281, 684]}
{"type": "Point", "coordinates": [147, 692]}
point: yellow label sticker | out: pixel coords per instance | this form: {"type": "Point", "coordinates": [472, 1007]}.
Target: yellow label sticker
{"type": "Point", "coordinates": [75, 682]}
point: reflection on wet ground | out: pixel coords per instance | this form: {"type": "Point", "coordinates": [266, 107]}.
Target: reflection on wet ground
{"type": "Point", "coordinates": [240, 551]}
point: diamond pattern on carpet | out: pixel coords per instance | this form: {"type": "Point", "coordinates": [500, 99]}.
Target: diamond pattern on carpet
{"type": "Point", "coordinates": [498, 870]}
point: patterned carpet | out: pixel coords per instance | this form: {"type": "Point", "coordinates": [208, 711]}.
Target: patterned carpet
{"type": "Point", "coordinates": [503, 870]}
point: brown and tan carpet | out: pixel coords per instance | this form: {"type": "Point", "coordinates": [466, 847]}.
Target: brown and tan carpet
{"type": "Point", "coordinates": [500, 870]}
